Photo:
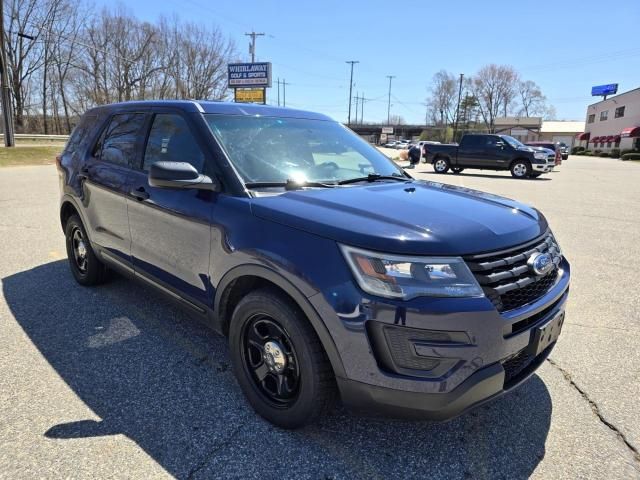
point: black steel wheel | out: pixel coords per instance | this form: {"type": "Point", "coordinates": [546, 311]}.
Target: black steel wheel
{"type": "Point", "coordinates": [85, 266]}
{"type": "Point", "coordinates": [457, 170]}
{"type": "Point", "coordinates": [279, 360]}
{"type": "Point", "coordinates": [271, 360]}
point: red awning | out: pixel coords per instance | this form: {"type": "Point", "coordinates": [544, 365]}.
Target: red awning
{"type": "Point", "coordinates": [630, 132]}
{"type": "Point", "coordinates": [584, 136]}
{"type": "Point", "coordinates": [609, 138]}
{"type": "Point", "coordinates": [595, 139]}
{"type": "Point", "coordinates": [616, 139]}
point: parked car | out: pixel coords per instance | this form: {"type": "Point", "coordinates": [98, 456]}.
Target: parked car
{"type": "Point", "coordinates": [551, 146]}
{"type": "Point", "coordinates": [490, 152]}
{"type": "Point", "coordinates": [390, 145]}
{"type": "Point", "coordinates": [331, 270]}
{"type": "Point", "coordinates": [564, 150]}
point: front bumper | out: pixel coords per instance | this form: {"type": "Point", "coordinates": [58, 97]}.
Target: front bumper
{"type": "Point", "coordinates": [542, 168]}
{"type": "Point", "coordinates": [480, 388]}
{"type": "Point", "coordinates": [470, 363]}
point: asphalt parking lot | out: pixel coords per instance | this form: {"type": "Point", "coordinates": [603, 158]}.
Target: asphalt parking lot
{"type": "Point", "coordinates": [117, 382]}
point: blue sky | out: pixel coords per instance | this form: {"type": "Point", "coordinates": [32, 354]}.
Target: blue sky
{"type": "Point", "coordinates": [564, 46]}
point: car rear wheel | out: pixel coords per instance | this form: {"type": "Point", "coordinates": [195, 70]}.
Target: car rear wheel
{"type": "Point", "coordinates": [520, 169]}
{"type": "Point", "coordinates": [457, 170]}
{"type": "Point", "coordinates": [279, 360]}
{"type": "Point", "coordinates": [85, 266]}
{"type": "Point", "coordinates": [441, 165]}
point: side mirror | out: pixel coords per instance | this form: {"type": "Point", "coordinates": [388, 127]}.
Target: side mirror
{"type": "Point", "coordinates": [180, 175]}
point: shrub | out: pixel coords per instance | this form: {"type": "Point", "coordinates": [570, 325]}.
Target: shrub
{"type": "Point", "coordinates": [629, 150]}
{"type": "Point", "coordinates": [603, 154]}
{"type": "Point", "coordinates": [577, 150]}
{"type": "Point", "coordinates": [597, 150]}
{"type": "Point", "coordinates": [586, 152]}
{"type": "Point", "coordinates": [614, 153]}
{"type": "Point", "coordinates": [631, 156]}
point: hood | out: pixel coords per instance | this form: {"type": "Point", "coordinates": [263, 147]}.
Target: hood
{"type": "Point", "coordinates": [422, 218]}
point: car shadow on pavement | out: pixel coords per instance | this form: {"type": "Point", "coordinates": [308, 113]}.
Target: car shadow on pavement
{"type": "Point", "coordinates": [155, 375]}
{"type": "Point", "coordinates": [482, 175]}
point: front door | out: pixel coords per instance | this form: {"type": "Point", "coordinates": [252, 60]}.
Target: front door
{"type": "Point", "coordinates": [170, 228]}
{"type": "Point", "coordinates": [106, 178]}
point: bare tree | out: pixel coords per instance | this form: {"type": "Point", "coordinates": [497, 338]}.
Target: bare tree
{"type": "Point", "coordinates": [441, 104]}
{"type": "Point", "coordinates": [494, 89]}
{"type": "Point", "coordinates": [532, 101]}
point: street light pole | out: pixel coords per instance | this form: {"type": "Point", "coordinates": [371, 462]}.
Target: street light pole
{"type": "Point", "coordinates": [352, 62]}
{"type": "Point", "coordinates": [9, 140]}
{"type": "Point", "coordinates": [455, 127]}
{"type": "Point", "coordinates": [390, 77]}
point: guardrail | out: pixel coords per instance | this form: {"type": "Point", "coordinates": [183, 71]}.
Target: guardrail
{"type": "Point", "coordinates": [36, 136]}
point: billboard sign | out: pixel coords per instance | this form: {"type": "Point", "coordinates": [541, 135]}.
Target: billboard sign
{"type": "Point", "coordinates": [388, 130]}
{"type": "Point", "coordinates": [250, 74]}
{"type": "Point", "coordinates": [600, 90]}
{"type": "Point", "coordinates": [249, 95]}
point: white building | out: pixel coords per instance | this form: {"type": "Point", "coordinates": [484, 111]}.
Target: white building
{"type": "Point", "coordinates": [613, 123]}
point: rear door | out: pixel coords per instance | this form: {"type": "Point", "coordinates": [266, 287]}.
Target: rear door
{"type": "Point", "coordinates": [106, 174]}
{"type": "Point", "coordinates": [471, 152]}
{"type": "Point", "coordinates": [170, 228]}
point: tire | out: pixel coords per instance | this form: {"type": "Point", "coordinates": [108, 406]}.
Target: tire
{"type": "Point", "coordinates": [299, 389]}
{"type": "Point", "coordinates": [85, 266]}
{"type": "Point", "coordinates": [520, 169]}
{"type": "Point", "coordinates": [457, 170]}
{"type": "Point", "coordinates": [441, 165]}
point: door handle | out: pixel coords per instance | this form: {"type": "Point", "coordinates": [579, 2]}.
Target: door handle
{"type": "Point", "coordinates": [140, 194]}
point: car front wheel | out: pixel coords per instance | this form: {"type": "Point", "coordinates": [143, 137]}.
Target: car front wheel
{"type": "Point", "coordinates": [279, 360]}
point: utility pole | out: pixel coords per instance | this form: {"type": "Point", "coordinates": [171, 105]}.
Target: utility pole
{"type": "Point", "coordinates": [284, 92]}
{"type": "Point", "coordinates": [455, 127]}
{"type": "Point", "coordinates": [278, 82]}
{"type": "Point", "coordinates": [390, 77]}
{"type": "Point", "coordinates": [9, 140]}
{"type": "Point", "coordinates": [252, 45]}
{"type": "Point", "coordinates": [352, 62]}
{"type": "Point", "coordinates": [362, 100]}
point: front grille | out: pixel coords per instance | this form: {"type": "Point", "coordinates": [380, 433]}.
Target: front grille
{"type": "Point", "coordinates": [507, 280]}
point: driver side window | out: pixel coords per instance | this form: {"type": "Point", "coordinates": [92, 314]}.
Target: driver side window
{"type": "Point", "coordinates": [171, 140]}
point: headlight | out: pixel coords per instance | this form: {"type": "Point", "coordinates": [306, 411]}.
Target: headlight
{"type": "Point", "coordinates": [399, 276]}
{"type": "Point", "coordinates": [540, 156]}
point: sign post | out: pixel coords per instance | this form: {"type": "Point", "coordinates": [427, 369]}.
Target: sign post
{"type": "Point", "coordinates": [250, 81]}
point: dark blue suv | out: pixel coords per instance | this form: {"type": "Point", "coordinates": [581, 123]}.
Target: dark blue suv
{"type": "Point", "coordinates": [332, 271]}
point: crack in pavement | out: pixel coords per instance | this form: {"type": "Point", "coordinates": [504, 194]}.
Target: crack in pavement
{"type": "Point", "coordinates": [209, 456]}
{"type": "Point", "coordinates": [596, 410]}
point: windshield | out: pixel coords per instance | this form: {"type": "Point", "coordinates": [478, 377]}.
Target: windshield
{"type": "Point", "coordinates": [512, 141]}
{"type": "Point", "coordinates": [273, 149]}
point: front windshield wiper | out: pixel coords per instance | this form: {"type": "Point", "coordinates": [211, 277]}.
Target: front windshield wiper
{"type": "Point", "coordinates": [289, 184]}
{"type": "Point", "coordinates": [372, 177]}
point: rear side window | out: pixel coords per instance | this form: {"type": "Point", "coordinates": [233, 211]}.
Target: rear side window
{"type": "Point", "coordinates": [80, 133]}
{"type": "Point", "coordinates": [473, 141]}
{"type": "Point", "coordinates": [118, 142]}
{"type": "Point", "coordinates": [170, 139]}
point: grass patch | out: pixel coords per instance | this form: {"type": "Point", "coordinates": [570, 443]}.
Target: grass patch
{"type": "Point", "coordinates": [28, 155]}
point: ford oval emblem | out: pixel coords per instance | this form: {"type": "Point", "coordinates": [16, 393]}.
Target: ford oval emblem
{"type": "Point", "coordinates": [540, 263]}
